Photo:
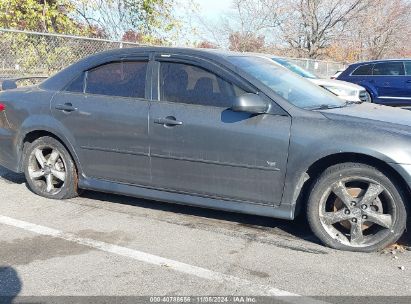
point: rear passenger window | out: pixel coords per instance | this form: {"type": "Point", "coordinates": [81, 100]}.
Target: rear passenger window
{"type": "Point", "coordinates": [363, 70]}
{"type": "Point", "coordinates": [77, 85]}
{"type": "Point", "coordinates": [407, 65]}
{"type": "Point", "coordinates": [123, 79]}
{"type": "Point", "coordinates": [185, 83]}
{"type": "Point", "coordinates": [388, 69]}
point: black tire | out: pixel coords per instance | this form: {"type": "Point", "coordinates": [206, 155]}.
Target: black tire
{"type": "Point", "coordinates": [372, 220]}
{"type": "Point", "coordinates": [38, 175]}
{"type": "Point", "coordinates": [370, 97]}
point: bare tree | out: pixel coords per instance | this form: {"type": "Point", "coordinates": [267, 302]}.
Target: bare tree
{"type": "Point", "coordinates": [309, 27]}
{"type": "Point", "coordinates": [206, 45]}
{"type": "Point", "coordinates": [246, 42]}
{"type": "Point", "coordinates": [381, 30]}
{"type": "Point", "coordinates": [254, 16]}
{"type": "Point", "coordinates": [384, 28]}
{"type": "Point", "coordinates": [116, 17]}
{"type": "Point", "coordinates": [244, 27]}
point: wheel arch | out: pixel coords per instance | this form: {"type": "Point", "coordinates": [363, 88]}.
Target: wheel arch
{"type": "Point", "coordinates": [370, 89]}
{"type": "Point", "coordinates": [34, 134]}
{"type": "Point", "coordinates": [320, 165]}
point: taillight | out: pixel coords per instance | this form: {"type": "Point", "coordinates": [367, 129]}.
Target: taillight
{"type": "Point", "coordinates": [2, 107]}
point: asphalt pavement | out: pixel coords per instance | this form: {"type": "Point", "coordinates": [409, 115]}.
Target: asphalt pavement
{"type": "Point", "coordinates": [109, 245]}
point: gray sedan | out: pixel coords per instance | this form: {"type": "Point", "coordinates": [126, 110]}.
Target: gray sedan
{"type": "Point", "coordinates": [214, 129]}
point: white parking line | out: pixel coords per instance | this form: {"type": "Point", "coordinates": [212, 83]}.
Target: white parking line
{"type": "Point", "coordinates": [158, 261]}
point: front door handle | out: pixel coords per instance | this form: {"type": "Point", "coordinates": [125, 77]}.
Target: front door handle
{"type": "Point", "coordinates": [408, 81]}
{"type": "Point", "coordinates": [67, 107]}
{"type": "Point", "coordinates": [169, 121]}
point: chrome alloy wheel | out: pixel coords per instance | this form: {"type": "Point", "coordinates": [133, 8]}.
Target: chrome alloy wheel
{"type": "Point", "coordinates": [47, 169]}
{"type": "Point", "coordinates": [357, 212]}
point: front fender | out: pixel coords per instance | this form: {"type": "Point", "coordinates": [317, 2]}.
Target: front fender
{"type": "Point", "coordinates": [315, 140]}
{"type": "Point", "coordinates": [371, 89]}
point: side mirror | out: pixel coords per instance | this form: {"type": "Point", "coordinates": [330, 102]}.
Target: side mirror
{"type": "Point", "coordinates": [250, 103]}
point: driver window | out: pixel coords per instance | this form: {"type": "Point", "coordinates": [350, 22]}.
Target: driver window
{"type": "Point", "coordinates": [185, 83]}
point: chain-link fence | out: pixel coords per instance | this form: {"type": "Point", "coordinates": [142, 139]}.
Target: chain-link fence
{"type": "Point", "coordinates": [322, 68]}
{"type": "Point", "coordinates": [29, 53]}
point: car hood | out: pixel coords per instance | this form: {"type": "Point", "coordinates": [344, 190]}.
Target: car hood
{"type": "Point", "coordinates": [378, 115]}
{"type": "Point", "coordinates": [336, 83]}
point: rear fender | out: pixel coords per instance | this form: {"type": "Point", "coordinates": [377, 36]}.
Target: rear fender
{"type": "Point", "coordinates": [46, 124]}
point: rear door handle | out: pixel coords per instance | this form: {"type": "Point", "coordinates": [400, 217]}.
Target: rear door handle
{"type": "Point", "coordinates": [169, 121]}
{"type": "Point", "coordinates": [408, 81]}
{"type": "Point", "coordinates": [67, 107]}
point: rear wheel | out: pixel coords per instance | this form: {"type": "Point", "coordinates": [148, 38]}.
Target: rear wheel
{"type": "Point", "coordinates": [356, 207]}
{"type": "Point", "coordinates": [49, 169]}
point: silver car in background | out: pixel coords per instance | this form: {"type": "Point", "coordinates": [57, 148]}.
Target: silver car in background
{"type": "Point", "coordinates": [345, 90]}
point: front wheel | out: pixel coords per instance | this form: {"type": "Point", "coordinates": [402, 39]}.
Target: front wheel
{"type": "Point", "coordinates": [356, 207]}
{"type": "Point", "coordinates": [369, 97]}
{"type": "Point", "coordinates": [49, 169]}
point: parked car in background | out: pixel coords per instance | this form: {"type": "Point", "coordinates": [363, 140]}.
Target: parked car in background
{"type": "Point", "coordinates": [345, 90]}
{"type": "Point", "coordinates": [215, 129]}
{"type": "Point", "coordinates": [387, 81]}
{"type": "Point", "coordinates": [338, 73]}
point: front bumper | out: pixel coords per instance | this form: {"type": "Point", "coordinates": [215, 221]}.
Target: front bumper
{"type": "Point", "coordinates": [361, 96]}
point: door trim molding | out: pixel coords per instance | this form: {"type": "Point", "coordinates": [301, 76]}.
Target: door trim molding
{"type": "Point", "coordinates": [114, 151]}
{"type": "Point", "coordinates": [188, 159]}
{"type": "Point", "coordinates": [214, 162]}
{"type": "Point", "coordinates": [392, 97]}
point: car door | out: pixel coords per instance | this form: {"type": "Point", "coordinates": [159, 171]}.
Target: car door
{"type": "Point", "coordinates": [362, 75]}
{"type": "Point", "coordinates": [407, 65]}
{"type": "Point", "coordinates": [199, 146]}
{"type": "Point", "coordinates": [105, 111]}
{"type": "Point", "coordinates": [389, 80]}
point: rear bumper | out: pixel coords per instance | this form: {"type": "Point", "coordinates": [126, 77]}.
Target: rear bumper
{"type": "Point", "coordinates": [8, 150]}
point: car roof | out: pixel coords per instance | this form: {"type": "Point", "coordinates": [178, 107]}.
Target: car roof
{"type": "Point", "coordinates": [60, 79]}
{"type": "Point", "coordinates": [180, 50]}
{"type": "Point", "coordinates": [380, 61]}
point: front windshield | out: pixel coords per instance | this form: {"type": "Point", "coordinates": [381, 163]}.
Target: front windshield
{"type": "Point", "coordinates": [295, 68]}
{"type": "Point", "coordinates": [295, 89]}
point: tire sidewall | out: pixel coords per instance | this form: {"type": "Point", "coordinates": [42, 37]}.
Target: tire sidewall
{"type": "Point", "coordinates": [371, 97]}
{"type": "Point", "coordinates": [336, 173]}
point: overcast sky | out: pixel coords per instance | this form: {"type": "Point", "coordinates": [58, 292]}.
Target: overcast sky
{"type": "Point", "coordinates": [213, 8]}
{"type": "Point", "coordinates": [209, 11]}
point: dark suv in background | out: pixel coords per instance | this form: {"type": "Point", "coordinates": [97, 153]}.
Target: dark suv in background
{"type": "Point", "coordinates": [387, 81]}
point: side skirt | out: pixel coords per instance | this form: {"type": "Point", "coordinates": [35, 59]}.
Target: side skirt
{"type": "Point", "coordinates": [282, 211]}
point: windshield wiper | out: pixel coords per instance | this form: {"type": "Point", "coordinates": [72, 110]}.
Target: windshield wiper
{"type": "Point", "coordinates": [329, 107]}
{"type": "Point", "coordinates": [325, 107]}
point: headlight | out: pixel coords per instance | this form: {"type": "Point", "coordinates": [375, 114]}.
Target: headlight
{"type": "Point", "coordinates": [340, 91]}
